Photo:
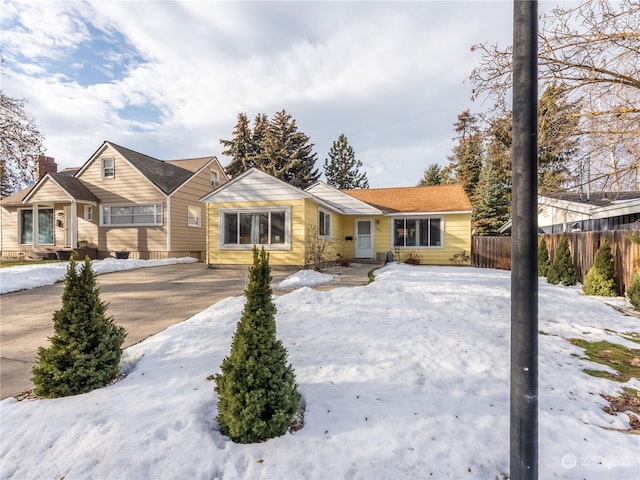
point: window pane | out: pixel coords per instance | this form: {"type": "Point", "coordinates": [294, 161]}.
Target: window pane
{"type": "Point", "coordinates": [231, 228]}
{"type": "Point", "coordinates": [411, 232]}
{"type": "Point", "coordinates": [45, 226]}
{"type": "Point", "coordinates": [193, 216]}
{"type": "Point", "coordinates": [277, 227]}
{"type": "Point", "coordinates": [26, 227]}
{"type": "Point", "coordinates": [435, 232]}
{"type": "Point", "coordinates": [399, 233]}
{"type": "Point", "coordinates": [423, 232]}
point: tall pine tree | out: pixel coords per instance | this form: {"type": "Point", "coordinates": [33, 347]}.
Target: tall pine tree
{"type": "Point", "coordinates": [466, 161]}
{"type": "Point", "coordinates": [342, 169]}
{"type": "Point", "coordinates": [432, 176]}
{"type": "Point", "coordinates": [86, 345]}
{"type": "Point", "coordinates": [491, 206]}
{"type": "Point", "coordinates": [257, 393]}
{"type": "Point", "coordinates": [240, 148]}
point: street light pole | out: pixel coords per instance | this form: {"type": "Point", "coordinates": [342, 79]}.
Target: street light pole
{"type": "Point", "coordinates": [524, 246]}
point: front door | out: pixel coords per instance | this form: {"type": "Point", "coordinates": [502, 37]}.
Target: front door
{"type": "Point", "coordinates": [364, 238]}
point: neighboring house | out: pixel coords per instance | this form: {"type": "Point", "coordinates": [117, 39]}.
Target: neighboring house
{"type": "Point", "coordinates": [118, 200]}
{"type": "Point", "coordinates": [433, 223]}
{"type": "Point", "coordinates": [581, 212]}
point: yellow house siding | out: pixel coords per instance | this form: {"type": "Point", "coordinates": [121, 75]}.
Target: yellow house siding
{"type": "Point", "coordinates": [333, 244]}
{"type": "Point", "coordinates": [292, 256]}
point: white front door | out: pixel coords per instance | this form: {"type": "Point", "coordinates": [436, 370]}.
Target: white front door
{"type": "Point", "coordinates": [66, 225]}
{"type": "Point", "coordinates": [364, 238]}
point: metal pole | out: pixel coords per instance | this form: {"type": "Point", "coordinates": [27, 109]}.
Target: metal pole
{"type": "Point", "coordinates": [524, 247]}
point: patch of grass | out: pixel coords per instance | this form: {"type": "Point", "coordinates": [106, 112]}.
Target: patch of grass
{"type": "Point", "coordinates": [371, 276]}
{"type": "Point", "coordinates": [625, 361]}
{"type": "Point", "coordinates": [17, 263]}
{"type": "Point", "coordinates": [631, 336]}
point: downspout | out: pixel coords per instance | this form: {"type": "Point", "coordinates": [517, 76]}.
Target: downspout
{"type": "Point", "coordinates": [168, 224]}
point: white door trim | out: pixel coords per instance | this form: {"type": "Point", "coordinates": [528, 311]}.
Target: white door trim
{"type": "Point", "coordinates": [364, 243]}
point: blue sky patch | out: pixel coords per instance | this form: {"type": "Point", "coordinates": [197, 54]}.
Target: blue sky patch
{"type": "Point", "coordinates": [141, 113]}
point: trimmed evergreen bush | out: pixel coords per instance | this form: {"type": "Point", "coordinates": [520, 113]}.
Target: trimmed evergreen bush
{"type": "Point", "coordinates": [543, 259]}
{"type": "Point", "coordinates": [86, 345]}
{"type": "Point", "coordinates": [633, 291]}
{"type": "Point", "coordinates": [257, 393]}
{"type": "Point", "coordinates": [601, 278]}
{"type": "Point", "coordinates": [562, 269]}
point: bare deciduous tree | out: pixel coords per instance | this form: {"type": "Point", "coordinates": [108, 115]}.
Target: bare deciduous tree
{"type": "Point", "coordinates": [592, 54]}
{"type": "Point", "coordinates": [20, 144]}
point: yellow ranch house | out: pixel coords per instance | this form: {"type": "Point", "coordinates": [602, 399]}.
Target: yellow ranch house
{"type": "Point", "coordinates": [430, 223]}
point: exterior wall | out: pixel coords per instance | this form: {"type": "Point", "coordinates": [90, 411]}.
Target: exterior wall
{"type": "Point", "coordinates": [294, 256]}
{"type": "Point", "coordinates": [10, 231]}
{"type": "Point", "coordinates": [129, 187]}
{"type": "Point", "coordinates": [186, 238]}
{"type": "Point", "coordinates": [333, 245]}
{"type": "Point", "coordinates": [49, 192]}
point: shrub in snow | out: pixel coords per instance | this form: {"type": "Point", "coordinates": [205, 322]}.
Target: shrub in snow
{"type": "Point", "coordinates": [86, 345]}
{"type": "Point", "coordinates": [257, 393]}
{"type": "Point", "coordinates": [562, 269]}
{"type": "Point", "coordinates": [633, 291]}
{"type": "Point", "coordinates": [543, 258]}
{"type": "Point", "coordinates": [601, 278]}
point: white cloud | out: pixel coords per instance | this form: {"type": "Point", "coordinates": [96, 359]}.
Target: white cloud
{"type": "Point", "coordinates": [387, 74]}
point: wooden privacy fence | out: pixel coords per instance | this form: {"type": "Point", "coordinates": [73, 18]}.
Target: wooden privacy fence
{"type": "Point", "coordinates": [495, 252]}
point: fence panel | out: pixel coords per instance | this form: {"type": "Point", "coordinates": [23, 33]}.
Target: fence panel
{"type": "Point", "coordinates": [495, 252]}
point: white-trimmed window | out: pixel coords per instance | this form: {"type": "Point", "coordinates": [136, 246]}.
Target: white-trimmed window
{"type": "Point", "coordinates": [88, 213]}
{"type": "Point", "coordinates": [194, 215]}
{"type": "Point", "coordinates": [324, 223]}
{"type": "Point", "coordinates": [263, 226]}
{"type": "Point", "coordinates": [108, 166]}
{"type": "Point", "coordinates": [131, 215]}
{"type": "Point", "coordinates": [418, 232]}
{"type": "Point", "coordinates": [45, 226]}
{"type": "Point", "coordinates": [215, 179]}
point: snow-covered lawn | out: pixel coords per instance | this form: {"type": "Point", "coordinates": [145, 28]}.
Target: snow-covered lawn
{"type": "Point", "coordinates": [24, 277]}
{"type": "Point", "coordinates": [405, 378]}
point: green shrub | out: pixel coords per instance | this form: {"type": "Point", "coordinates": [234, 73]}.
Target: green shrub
{"type": "Point", "coordinates": [633, 291]}
{"type": "Point", "coordinates": [601, 278]}
{"type": "Point", "coordinates": [543, 259]}
{"type": "Point", "coordinates": [562, 269]}
{"type": "Point", "coordinates": [257, 393]}
{"type": "Point", "coordinates": [86, 345]}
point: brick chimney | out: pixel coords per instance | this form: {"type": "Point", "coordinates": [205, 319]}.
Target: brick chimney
{"type": "Point", "coordinates": [46, 165]}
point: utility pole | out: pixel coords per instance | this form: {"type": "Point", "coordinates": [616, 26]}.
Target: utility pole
{"type": "Point", "coordinates": [524, 245]}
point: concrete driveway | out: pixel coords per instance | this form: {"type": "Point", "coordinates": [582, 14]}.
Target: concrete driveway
{"type": "Point", "coordinates": [144, 301]}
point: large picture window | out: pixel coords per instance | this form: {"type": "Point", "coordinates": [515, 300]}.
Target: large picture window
{"type": "Point", "coordinates": [417, 232]}
{"type": "Point", "coordinates": [132, 215]}
{"type": "Point", "coordinates": [259, 227]}
{"type": "Point", "coordinates": [45, 226]}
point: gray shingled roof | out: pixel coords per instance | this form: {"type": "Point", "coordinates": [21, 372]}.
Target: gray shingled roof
{"type": "Point", "coordinates": [600, 199]}
{"type": "Point", "coordinates": [165, 176]}
{"type": "Point", "coordinates": [74, 187]}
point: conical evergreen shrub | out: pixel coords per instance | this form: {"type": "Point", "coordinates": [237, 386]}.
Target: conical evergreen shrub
{"type": "Point", "coordinates": [633, 291]}
{"type": "Point", "coordinates": [257, 393]}
{"type": "Point", "coordinates": [562, 269]}
{"type": "Point", "coordinates": [601, 277]}
{"type": "Point", "coordinates": [543, 258]}
{"type": "Point", "coordinates": [86, 345]}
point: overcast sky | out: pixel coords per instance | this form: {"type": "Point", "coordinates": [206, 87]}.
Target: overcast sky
{"type": "Point", "coordinates": [169, 79]}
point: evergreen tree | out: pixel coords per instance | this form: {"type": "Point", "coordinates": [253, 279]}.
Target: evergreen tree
{"type": "Point", "coordinates": [342, 169]}
{"type": "Point", "coordinates": [601, 278]}
{"type": "Point", "coordinates": [499, 139]}
{"type": "Point", "coordinates": [86, 345]}
{"type": "Point", "coordinates": [240, 148]}
{"type": "Point", "coordinates": [257, 393]}
{"type": "Point", "coordinates": [286, 153]}
{"type": "Point", "coordinates": [557, 144]}
{"type": "Point", "coordinates": [466, 161]}
{"type": "Point", "coordinates": [633, 292]}
{"type": "Point", "coordinates": [491, 206]}
{"type": "Point", "coordinates": [543, 258]}
{"type": "Point", "coordinates": [432, 176]}
{"type": "Point", "coordinates": [562, 269]}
